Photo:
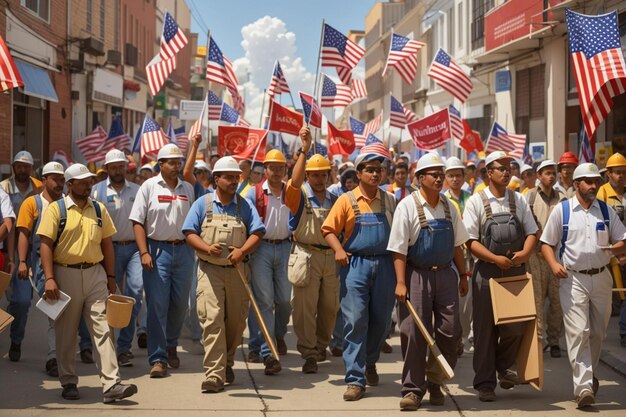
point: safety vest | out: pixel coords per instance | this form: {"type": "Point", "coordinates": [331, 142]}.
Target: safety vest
{"type": "Point", "coordinates": [222, 228]}
{"type": "Point", "coordinates": [309, 229]}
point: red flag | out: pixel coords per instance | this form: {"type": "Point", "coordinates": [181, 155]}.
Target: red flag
{"type": "Point", "coordinates": [312, 112]}
{"type": "Point", "coordinates": [285, 120]}
{"type": "Point", "coordinates": [241, 142]}
{"type": "Point", "coordinates": [431, 132]}
{"type": "Point", "coordinates": [340, 142]}
{"type": "Point", "coordinates": [471, 139]}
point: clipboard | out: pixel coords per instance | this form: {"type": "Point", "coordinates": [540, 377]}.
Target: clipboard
{"type": "Point", "coordinates": [51, 308]}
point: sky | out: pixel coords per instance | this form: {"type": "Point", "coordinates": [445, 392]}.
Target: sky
{"type": "Point", "coordinates": [253, 34]}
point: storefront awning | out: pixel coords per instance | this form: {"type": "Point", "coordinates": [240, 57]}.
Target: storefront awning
{"type": "Point", "coordinates": [37, 82]}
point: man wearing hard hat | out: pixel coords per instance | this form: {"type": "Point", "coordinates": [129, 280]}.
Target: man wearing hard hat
{"type": "Point", "coordinates": [612, 193]}
{"type": "Point", "coordinates": [270, 285]}
{"type": "Point", "coordinates": [77, 258]}
{"type": "Point", "coordinates": [501, 238]}
{"type": "Point", "coordinates": [586, 233]}
{"type": "Point", "coordinates": [118, 196]}
{"type": "Point", "coordinates": [542, 200]}
{"type": "Point", "coordinates": [529, 178]}
{"type": "Point", "coordinates": [158, 213]}
{"type": "Point", "coordinates": [21, 184]}
{"type": "Point", "coordinates": [399, 187]}
{"type": "Point", "coordinates": [223, 228]}
{"type": "Point", "coordinates": [312, 268]}
{"type": "Point", "coordinates": [566, 165]}
{"type": "Point", "coordinates": [426, 237]}
{"type": "Point", "coordinates": [362, 217]}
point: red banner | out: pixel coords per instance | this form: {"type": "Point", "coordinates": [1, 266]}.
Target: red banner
{"type": "Point", "coordinates": [242, 142]}
{"type": "Point", "coordinates": [285, 120]}
{"type": "Point", "coordinates": [471, 139]}
{"type": "Point", "coordinates": [340, 142]}
{"type": "Point", "coordinates": [432, 131]}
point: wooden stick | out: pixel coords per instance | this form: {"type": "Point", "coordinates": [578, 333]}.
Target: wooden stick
{"type": "Point", "coordinates": [257, 312]}
{"type": "Point", "coordinates": [443, 363]}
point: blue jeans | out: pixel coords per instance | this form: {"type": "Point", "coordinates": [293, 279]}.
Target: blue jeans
{"type": "Point", "coordinates": [337, 340]}
{"type": "Point", "coordinates": [129, 276]}
{"type": "Point", "coordinates": [272, 293]}
{"type": "Point", "coordinates": [367, 300]}
{"type": "Point", "coordinates": [167, 293]}
{"type": "Point", "coordinates": [622, 319]}
{"type": "Point", "coordinates": [193, 322]}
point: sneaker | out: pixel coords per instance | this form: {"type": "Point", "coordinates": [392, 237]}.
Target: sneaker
{"type": "Point", "coordinates": [142, 341]}
{"type": "Point", "coordinates": [585, 399]}
{"type": "Point", "coordinates": [70, 392]}
{"type": "Point", "coordinates": [387, 348]}
{"type": "Point", "coordinates": [125, 359]}
{"type": "Point", "coordinates": [254, 356]}
{"type": "Point", "coordinates": [336, 352]}
{"type": "Point", "coordinates": [52, 368]}
{"type": "Point", "coordinates": [281, 346]}
{"type": "Point", "coordinates": [486, 395]}
{"type": "Point", "coordinates": [371, 376]}
{"type": "Point", "coordinates": [353, 393]}
{"type": "Point", "coordinates": [623, 340]}
{"type": "Point", "coordinates": [508, 379]}
{"type": "Point", "coordinates": [230, 374]}
{"type": "Point", "coordinates": [15, 352]}
{"type": "Point", "coordinates": [310, 366]}
{"type": "Point", "coordinates": [436, 396]}
{"type": "Point", "coordinates": [555, 351]}
{"type": "Point", "coordinates": [410, 402]}
{"type": "Point", "coordinates": [212, 384]}
{"type": "Point", "coordinates": [86, 356]}
{"type": "Point", "coordinates": [159, 370]}
{"type": "Point", "coordinates": [321, 355]}
{"type": "Point", "coordinates": [272, 366]}
{"type": "Point", "coordinates": [595, 385]}
{"type": "Point", "coordinates": [119, 391]}
{"type": "Point", "coordinates": [172, 357]}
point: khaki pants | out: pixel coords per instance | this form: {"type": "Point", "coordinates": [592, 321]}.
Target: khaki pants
{"type": "Point", "coordinates": [222, 303]}
{"type": "Point", "coordinates": [315, 306]}
{"type": "Point", "coordinates": [545, 286]}
{"type": "Point", "coordinates": [88, 290]}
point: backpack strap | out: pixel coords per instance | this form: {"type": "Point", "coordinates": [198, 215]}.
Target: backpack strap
{"type": "Point", "coordinates": [96, 206]}
{"type": "Point", "coordinates": [420, 211]}
{"type": "Point", "coordinates": [39, 205]}
{"type": "Point", "coordinates": [512, 206]}
{"type": "Point", "coordinates": [486, 205]}
{"type": "Point", "coordinates": [605, 213]}
{"type": "Point", "coordinates": [62, 219]}
{"type": "Point", "coordinates": [565, 207]}
{"type": "Point", "coordinates": [355, 206]}
{"type": "Point", "coordinates": [532, 196]}
{"type": "Point", "coordinates": [208, 199]}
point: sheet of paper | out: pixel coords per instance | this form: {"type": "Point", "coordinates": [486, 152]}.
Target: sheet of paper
{"type": "Point", "coordinates": [54, 308]}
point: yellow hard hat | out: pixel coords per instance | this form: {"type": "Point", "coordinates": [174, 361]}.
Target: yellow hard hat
{"type": "Point", "coordinates": [616, 160]}
{"type": "Point", "coordinates": [318, 163]}
{"type": "Point", "coordinates": [275, 156]}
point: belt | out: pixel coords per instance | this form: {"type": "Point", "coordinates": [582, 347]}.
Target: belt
{"type": "Point", "coordinates": [221, 266]}
{"type": "Point", "coordinates": [317, 248]}
{"type": "Point", "coordinates": [123, 242]}
{"type": "Point", "coordinates": [82, 265]}
{"type": "Point", "coordinates": [171, 242]}
{"type": "Point", "coordinates": [275, 241]}
{"type": "Point", "coordinates": [593, 271]}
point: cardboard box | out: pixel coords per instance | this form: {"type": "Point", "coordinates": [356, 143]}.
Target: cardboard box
{"type": "Point", "coordinates": [513, 299]}
{"type": "Point", "coordinates": [5, 279]}
{"type": "Point", "coordinates": [5, 320]}
{"type": "Point", "coordinates": [529, 358]}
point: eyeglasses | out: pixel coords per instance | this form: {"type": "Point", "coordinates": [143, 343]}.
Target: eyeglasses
{"type": "Point", "coordinates": [436, 175]}
{"type": "Point", "coordinates": [371, 170]}
{"type": "Point", "coordinates": [502, 169]}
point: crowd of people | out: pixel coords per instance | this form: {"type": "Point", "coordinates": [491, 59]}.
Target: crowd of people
{"type": "Point", "coordinates": [223, 244]}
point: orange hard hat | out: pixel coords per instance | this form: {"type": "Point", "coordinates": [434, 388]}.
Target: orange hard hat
{"type": "Point", "coordinates": [568, 158]}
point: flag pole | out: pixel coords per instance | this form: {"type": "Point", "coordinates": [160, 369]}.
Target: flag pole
{"type": "Point", "coordinates": [265, 95]}
{"type": "Point", "coordinates": [317, 74]}
{"type": "Point", "coordinates": [208, 122]}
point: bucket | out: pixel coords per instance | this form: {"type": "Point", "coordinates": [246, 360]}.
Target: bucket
{"type": "Point", "coordinates": [119, 310]}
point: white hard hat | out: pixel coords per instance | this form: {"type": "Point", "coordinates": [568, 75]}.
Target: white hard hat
{"type": "Point", "coordinates": [52, 168]}
{"type": "Point", "coordinates": [226, 164]}
{"type": "Point", "coordinates": [114, 155]}
{"type": "Point", "coordinates": [201, 165]}
{"type": "Point", "coordinates": [587, 170]}
{"type": "Point", "coordinates": [497, 156]}
{"type": "Point", "coordinates": [24, 157]}
{"type": "Point", "coordinates": [78, 172]}
{"type": "Point", "coordinates": [545, 164]}
{"type": "Point", "coordinates": [524, 168]}
{"type": "Point", "coordinates": [146, 166]}
{"type": "Point", "coordinates": [170, 151]}
{"type": "Point", "coordinates": [454, 163]}
{"type": "Point", "coordinates": [430, 160]}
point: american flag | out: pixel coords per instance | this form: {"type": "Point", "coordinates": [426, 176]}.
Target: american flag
{"type": "Point", "coordinates": [157, 71]}
{"type": "Point", "coordinates": [598, 64]}
{"type": "Point", "coordinates": [501, 140]}
{"type": "Point", "coordinates": [9, 75]}
{"type": "Point", "coordinates": [278, 83]}
{"type": "Point", "coordinates": [319, 149]}
{"type": "Point", "coordinates": [372, 139]}
{"type": "Point", "coordinates": [586, 153]}
{"type": "Point", "coordinates": [377, 149]}
{"type": "Point", "coordinates": [182, 141]}
{"type": "Point", "coordinates": [400, 116]}
{"type": "Point", "coordinates": [374, 125]}
{"type": "Point", "coordinates": [197, 125]}
{"type": "Point", "coordinates": [456, 122]}
{"type": "Point", "coordinates": [358, 89]}
{"type": "Point", "coordinates": [215, 106]}
{"type": "Point", "coordinates": [403, 57]}
{"type": "Point", "coordinates": [90, 145]}
{"type": "Point", "coordinates": [229, 114]}
{"type": "Point", "coordinates": [220, 70]}
{"type": "Point", "coordinates": [117, 137]}
{"type": "Point", "coordinates": [152, 138]}
{"type": "Point", "coordinates": [173, 38]}
{"type": "Point", "coordinates": [169, 132]}
{"type": "Point", "coordinates": [358, 128]}
{"type": "Point", "coordinates": [312, 112]}
{"type": "Point", "coordinates": [340, 52]}
{"type": "Point", "coordinates": [334, 94]}
{"type": "Point", "coordinates": [450, 76]}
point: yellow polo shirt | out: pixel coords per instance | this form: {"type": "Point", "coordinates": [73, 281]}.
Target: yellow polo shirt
{"type": "Point", "coordinates": [80, 241]}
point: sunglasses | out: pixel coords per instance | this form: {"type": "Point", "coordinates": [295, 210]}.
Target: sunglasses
{"type": "Point", "coordinates": [436, 175]}
{"type": "Point", "coordinates": [371, 170]}
{"type": "Point", "coordinates": [502, 169]}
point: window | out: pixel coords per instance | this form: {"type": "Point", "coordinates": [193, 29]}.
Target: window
{"type": "Point", "coordinates": [102, 24]}
{"type": "Point", "coordinates": [479, 9]}
{"type": "Point", "coordinates": [89, 15]}
{"type": "Point", "coordinates": [460, 22]}
{"type": "Point", "coordinates": [41, 8]}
